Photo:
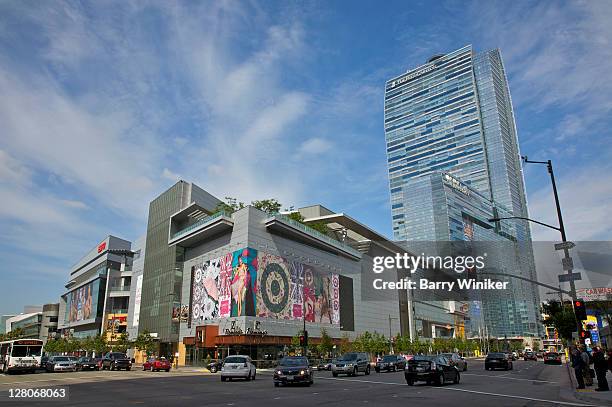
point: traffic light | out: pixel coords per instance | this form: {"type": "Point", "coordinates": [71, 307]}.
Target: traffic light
{"type": "Point", "coordinates": [585, 335]}
{"type": "Point", "coordinates": [304, 339]}
{"type": "Point", "coordinates": [580, 310]}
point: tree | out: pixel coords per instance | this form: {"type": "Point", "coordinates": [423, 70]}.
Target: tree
{"type": "Point", "coordinates": [122, 343]}
{"type": "Point", "coordinates": [145, 342]}
{"type": "Point", "coordinates": [230, 205]}
{"type": "Point", "coordinates": [267, 205]}
{"type": "Point", "coordinates": [561, 316]}
{"type": "Point", "coordinates": [326, 345]}
{"type": "Point", "coordinates": [100, 345]}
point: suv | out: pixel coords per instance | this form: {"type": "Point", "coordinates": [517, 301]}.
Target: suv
{"type": "Point", "coordinates": [116, 361]}
{"type": "Point", "coordinates": [351, 363]}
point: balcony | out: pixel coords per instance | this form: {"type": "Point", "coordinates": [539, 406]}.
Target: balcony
{"type": "Point", "coordinates": [203, 229]}
{"type": "Point", "coordinates": [298, 231]}
{"type": "Point", "coordinates": [119, 291]}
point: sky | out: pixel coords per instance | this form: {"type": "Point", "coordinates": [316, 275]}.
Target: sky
{"type": "Point", "coordinates": [104, 105]}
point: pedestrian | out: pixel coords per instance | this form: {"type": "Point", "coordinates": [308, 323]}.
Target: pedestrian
{"type": "Point", "coordinates": [577, 364]}
{"type": "Point", "coordinates": [601, 366]}
{"type": "Point", "coordinates": [610, 361]}
{"type": "Point", "coordinates": [586, 369]}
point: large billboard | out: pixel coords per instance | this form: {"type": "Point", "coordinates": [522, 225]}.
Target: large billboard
{"type": "Point", "coordinates": [82, 303]}
{"type": "Point", "coordinates": [251, 283]}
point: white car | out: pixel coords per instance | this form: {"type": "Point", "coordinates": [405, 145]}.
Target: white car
{"type": "Point", "coordinates": [240, 366]}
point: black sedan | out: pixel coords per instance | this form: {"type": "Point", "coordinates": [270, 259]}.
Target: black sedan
{"type": "Point", "coordinates": [498, 360]}
{"type": "Point", "coordinates": [293, 369]}
{"type": "Point", "coordinates": [431, 369]}
{"type": "Point", "coordinates": [390, 363]}
{"type": "Point", "coordinates": [530, 356]}
{"type": "Point", "coordinates": [116, 361]}
{"type": "Point", "coordinates": [214, 366]}
{"type": "Point", "coordinates": [86, 363]}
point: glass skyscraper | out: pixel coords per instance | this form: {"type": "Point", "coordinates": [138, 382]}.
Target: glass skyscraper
{"type": "Point", "coordinates": [450, 122]}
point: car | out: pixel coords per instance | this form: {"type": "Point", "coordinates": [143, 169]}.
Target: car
{"type": "Point", "coordinates": [60, 364]}
{"type": "Point", "coordinates": [498, 360]}
{"type": "Point", "coordinates": [530, 356]}
{"type": "Point", "coordinates": [116, 361]}
{"type": "Point", "coordinates": [390, 363]}
{"type": "Point", "coordinates": [214, 366]}
{"type": "Point", "coordinates": [540, 355]}
{"type": "Point", "coordinates": [238, 366]}
{"type": "Point", "coordinates": [157, 364]}
{"type": "Point", "coordinates": [351, 363]}
{"type": "Point", "coordinates": [552, 358]}
{"type": "Point", "coordinates": [324, 364]}
{"type": "Point", "coordinates": [435, 369]}
{"type": "Point", "coordinates": [456, 360]}
{"type": "Point", "coordinates": [86, 363]}
{"type": "Point", "coordinates": [293, 369]}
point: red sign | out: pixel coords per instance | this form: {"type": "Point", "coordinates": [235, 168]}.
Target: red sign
{"type": "Point", "coordinates": [101, 247]}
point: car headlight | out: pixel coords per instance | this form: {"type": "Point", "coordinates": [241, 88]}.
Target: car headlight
{"type": "Point", "coordinates": [279, 372]}
{"type": "Point", "coordinates": [302, 372]}
{"type": "Point", "coordinates": [349, 364]}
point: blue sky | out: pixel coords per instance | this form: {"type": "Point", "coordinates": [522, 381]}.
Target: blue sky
{"type": "Point", "coordinates": [105, 104]}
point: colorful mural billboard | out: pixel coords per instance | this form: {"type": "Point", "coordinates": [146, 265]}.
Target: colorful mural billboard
{"type": "Point", "coordinates": [251, 283]}
{"type": "Point", "coordinates": [82, 303]}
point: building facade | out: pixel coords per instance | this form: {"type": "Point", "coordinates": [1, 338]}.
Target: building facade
{"type": "Point", "coordinates": [98, 292]}
{"type": "Point", "coordinates": [454, 163]}
{"type": "Point", "coordinates": [38, 322]}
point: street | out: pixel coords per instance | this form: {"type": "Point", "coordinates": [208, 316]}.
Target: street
{"type": "Point", "coordinates": [529, 384]}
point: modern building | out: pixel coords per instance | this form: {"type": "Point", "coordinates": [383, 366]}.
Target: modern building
{"type": "Point", "coordinates": [98, 292]}
{"type": "Point", "coordinates": [138, 248]}
{"type": "Point", "coordinates": [35, 322]}
{"type": "Point", "coordinates": [251, 280]}
{"type": "Point", "coordinates": [454, 163]}
{"type": "Point", "coordinates": [3, 319]}
{"type": "Point", "coordinates": [163, 264]}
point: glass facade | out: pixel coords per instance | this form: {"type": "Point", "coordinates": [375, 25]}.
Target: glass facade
{"type": "Point", "coordinates": [162, 276]}
{"type": "Point", "coordinates": [454, 162]}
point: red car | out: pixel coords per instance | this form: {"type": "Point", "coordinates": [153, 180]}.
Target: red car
{"type": "Point", "coordinates": [552, 358]}
{"type": "Point", "coordinates": [157, 364]}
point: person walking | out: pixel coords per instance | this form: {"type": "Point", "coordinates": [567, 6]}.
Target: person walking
{"type": "Point", "coordinates": [586, 369]}
{"type": "Point", "coordinates": [601, 366]}
{"type": "Point", "coordinates": [578, 365]}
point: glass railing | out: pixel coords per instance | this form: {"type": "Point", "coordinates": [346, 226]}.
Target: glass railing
{"type": "Point", "coordinates": [315, 233]}
{"type": "Point", "coordinates": [117, 311]}
{"type": "Point", "coordinates": [201, 222]}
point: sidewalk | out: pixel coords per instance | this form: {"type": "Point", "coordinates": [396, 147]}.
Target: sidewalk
{"type": "Point", "coordinates": [600, 398]}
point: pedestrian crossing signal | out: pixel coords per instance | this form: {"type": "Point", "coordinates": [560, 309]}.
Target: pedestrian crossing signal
{"type": "Point", "coordinates": [580, 310]}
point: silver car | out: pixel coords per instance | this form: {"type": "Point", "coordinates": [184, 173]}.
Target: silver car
{"type": "Point", "coordinates": [351, 364]}
{"type": "Point", "coordinates": [239, 366]}
{"type": "Point", "coordinates": [61, 364]}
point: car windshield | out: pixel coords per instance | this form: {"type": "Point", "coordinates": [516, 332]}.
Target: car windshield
{"type": "Point", "coordinates": [60, 359]}
{"type": "Point", "coordinates": [294, 362]}
{"type": "Point", "coordinates": [496, 355]}
{"type": "Point", "coordinates": [118, 356]}
{"type": "Point", "coordinates": [234, 359]}
{"type": "Point", "coordinates": [349, 356]}
{"type": "Point", "coordinates": [86, 360]}
{"type": "Point", "coordinates": [389, 358]}
{"type": "Point", "coordinates": [554, 355]}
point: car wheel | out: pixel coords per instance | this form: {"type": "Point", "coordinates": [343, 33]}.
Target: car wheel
{"type": "Point", "coordinates": [355, 371]}
{"type": "Point", "coordinates": [151, 368]}
{"type": "Point", "coordinates": [367, 371]}
{"type": "Point", "coordinates": [377, 370]}
{"type": "Point", "coordinates": [410, 381]}
{"type": "Point", "coordinates": [465, 367]}
{"type": "Point", "coordinates": [213, 370]}
{"type": "Point", "coordinates": [276, 384]}
{"type": "Point", "coordinates": [394, 369]}
{"type": "Point", "coordinates": [222, 378]}
{"type": "Point", "coordinates": [127, 369]}
{"type": "Point", "coordinates": [440, 379]}
{"type": "Point", "coordinates": [254, 374]}
{"type": "Point", "coordinates": [167, 370]}
{"type": "Point", "coordinates": [457, 378]}
{"type": "Point", "coordinates": [335, 374]}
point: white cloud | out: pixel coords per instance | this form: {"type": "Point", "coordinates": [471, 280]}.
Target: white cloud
{"type": "Point", "coordinates": [315, 145]}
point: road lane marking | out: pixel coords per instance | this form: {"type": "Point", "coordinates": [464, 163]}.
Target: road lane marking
{"type": "Point", "coordinates": [505, 377]}
{"type": "Point", "coordinates": [565, 403]}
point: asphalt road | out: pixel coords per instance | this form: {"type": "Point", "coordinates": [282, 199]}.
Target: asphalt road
{"type": "Point", "coordinates": [529, 384]}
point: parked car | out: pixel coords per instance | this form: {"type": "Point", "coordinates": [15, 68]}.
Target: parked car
{"type": "Point", "coordinates": [240, 366]}
{"type": "Point", "coordinates": [293, 369]}
{"type": "Point", "coordinates": [214, 366]}
{"type": "Point", "coordinates": [390, 363]}
{"type": "Point", "coordinates": [324, 364]}
{"type": "Point", "coordinates": [552, 358]}
{"type": "Point", "coordinates": [540, 355]}
{"type": "Point", "coordinates": [431, 369]}
{"type": "Point", "coordinates": [456, 360]}
{"type": "Point", "coordinates": [498, 360]}
{"type": "Point", "coordinates": [530, 356]}
{"type": "Point", "coordinates": [157, 364]}
{"type": "Point", "coordinates": [60, 364]}
{"type": "Point", "coordinates": [116, 361]}
{"type": "Point", "coordinates": [351, 364]}
{"type": "Point", "coordinates": [86, 363]}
